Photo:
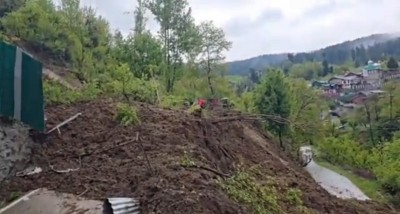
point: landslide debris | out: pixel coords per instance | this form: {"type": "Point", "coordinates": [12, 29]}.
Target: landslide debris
{"type": "Point", "coordinates": [174, 162]}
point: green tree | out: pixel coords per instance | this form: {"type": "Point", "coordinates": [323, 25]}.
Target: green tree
{"type": "Point", "coordinates": [146, 56]}
{"type": "Point", "coordinates": [392, 64]}
{"type": "Point", "coordinates": [305, 115]}
{"type": "Point", "coordinates": [325, 68]}
{"type": "Point", "coordinates": [213, 45]}
{"type": "Point", "coordinates": [307, 70]}
{"type": "Point", "coordinates": [140, 20]}
{"type": "Point", "coordinates": [272, 98]}
{"type": "Point", "coordinates": [174, 18]}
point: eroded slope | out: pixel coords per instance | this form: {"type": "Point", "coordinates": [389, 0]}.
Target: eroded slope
{"type": "Point", "coordinates": [158, 168]}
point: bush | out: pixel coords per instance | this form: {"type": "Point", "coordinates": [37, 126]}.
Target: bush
{"type": "Point", "coordinates": [55, 93]}
{"type": "Point", "coordinates": [243, 188]}
{"type": "Point", "coordinates": [383, 161]}
{"type": "Point", "coordinates": [127, 115]}
{"type": "Point", "coordinates": [136, 89]}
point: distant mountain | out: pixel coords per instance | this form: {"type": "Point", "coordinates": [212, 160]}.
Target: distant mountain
{"type": "Point", "coordinates": [361, 49]}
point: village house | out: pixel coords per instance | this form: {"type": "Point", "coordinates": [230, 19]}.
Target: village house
{"type": "Point", "coordinates": [372, 77]}
{"type": "Point", "coordinates": [389, 75]}
{"type": "Point", "coordinates": [376, 76]}
{"type": "Point", "coordinates": [359, 98]}
{"type": "Point", "coordinates": [329, 89]}
{"type": "Point", "coordinates": [348, 81]}
{"type": "Point", "coordinates": [373, 74]}
{"type": "Point", "coordinates": [354, 88]}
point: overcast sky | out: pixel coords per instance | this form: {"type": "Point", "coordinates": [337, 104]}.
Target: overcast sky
{"type": "Point", "coordinates": [272, 26]}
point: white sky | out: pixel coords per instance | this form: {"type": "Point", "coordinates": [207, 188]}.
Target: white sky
{"type": "Point", "coordinates": [272, 26]}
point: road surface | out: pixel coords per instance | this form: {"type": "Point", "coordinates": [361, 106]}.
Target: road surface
{"type": "Point", "coordinates": [335, 183]}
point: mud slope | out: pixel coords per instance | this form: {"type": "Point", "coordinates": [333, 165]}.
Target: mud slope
{"type": "Point", "coordinates": [111, 167]}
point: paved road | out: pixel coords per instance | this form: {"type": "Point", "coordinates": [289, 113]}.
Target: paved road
{"type": "Point", "coordinates": [335, 183]}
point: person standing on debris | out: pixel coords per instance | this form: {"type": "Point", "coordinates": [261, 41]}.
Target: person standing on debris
{"type": "Point", "coordinates": [197, 109]}
{"type": "Point", "coordinates": [202, 103]}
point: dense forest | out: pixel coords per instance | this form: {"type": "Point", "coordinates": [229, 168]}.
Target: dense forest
{"type": "Point", "coordinates": [374, 47]}
{"type": "Point", "coordinates": [184, 61]}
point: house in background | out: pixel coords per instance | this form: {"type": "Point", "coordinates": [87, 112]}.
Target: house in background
{"type": "Point", "coordinates": [389, 75]}
{"type": "Point", "coordinates": [347, 81]}
{"type": "Point", "coordinates": [359, 98]}
{"type": "Point", "coordinates": [329, 89]}
{"type": "Point", "coordinates": [372, 74]}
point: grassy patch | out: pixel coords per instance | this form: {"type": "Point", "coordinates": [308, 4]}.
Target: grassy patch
{"type": "Point", "coordinates": [370, 187]}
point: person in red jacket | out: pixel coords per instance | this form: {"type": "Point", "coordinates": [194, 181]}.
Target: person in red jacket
{"type": "Point", "coordinates": [201, 103]}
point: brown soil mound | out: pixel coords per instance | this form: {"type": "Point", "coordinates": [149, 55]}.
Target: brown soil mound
{"type": "Point", "coordinates": [113, 163]}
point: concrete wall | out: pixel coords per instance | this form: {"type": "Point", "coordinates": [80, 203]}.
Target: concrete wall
{"type": "Point", "coordinates": [15, 148]}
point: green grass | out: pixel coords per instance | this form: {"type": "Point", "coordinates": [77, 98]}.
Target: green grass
{"type": "Point", "coordinates": [370, 187]}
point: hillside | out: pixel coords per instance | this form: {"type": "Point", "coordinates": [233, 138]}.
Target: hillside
{"type": "Point", "coordinates": [375, 45]}
{"type": "Point", "coordinates": [175, 163]}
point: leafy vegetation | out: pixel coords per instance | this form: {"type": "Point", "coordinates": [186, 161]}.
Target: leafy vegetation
{"type": "Point", "coordinates": [294, 197]}
{"type": "Point", "coordinates": [127, 115]}
{"type": "Point", "coordinates": [56, 93]}
{"type": "Point", "coordinates": [264, 197]}
{"type": "Point", "coordinates": [187, 161]}
{"type": "Point", "coordinates": [273, 98]}
{"type": "Point", "coordinates": [382, 161]}
{"type": "Point", "coordinates": [184, 60]}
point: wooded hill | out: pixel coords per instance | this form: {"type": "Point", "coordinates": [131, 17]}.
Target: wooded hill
{"type": "Point", "coordinates": [360, 50]}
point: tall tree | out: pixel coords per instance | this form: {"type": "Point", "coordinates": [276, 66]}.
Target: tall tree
{"type": "Point", "coordinates": [213, 45]}
{"type": "Point", "coordinates": [306, 106]}
{"type": "Point", "coordinates": [172, 15]}
{"type": "Point", "coordinates": [325, 68]}
{"type": "Point", "coordinates": [140, 20]}
{"type": "Point", "coordinates": [392, 64]}
{"type": "Point", "coordinates": [353, 55]}
{"type": "Point", "coordinates": [146, 56]}
{"type": "Point", "coordinates": [272, 98]}
{"type": "Point", "coordinates": [290, 57]}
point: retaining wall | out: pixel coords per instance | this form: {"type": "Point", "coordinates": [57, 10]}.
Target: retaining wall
{"type": "Point", "coordinates": [15, 148]}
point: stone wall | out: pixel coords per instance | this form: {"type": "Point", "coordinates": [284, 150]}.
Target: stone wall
{"type": "Point", "coordinates": [15, 148]}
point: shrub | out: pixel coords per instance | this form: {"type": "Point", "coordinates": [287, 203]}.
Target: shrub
{"type": "Point", "coordinates": [127, 115]}
{"type": "Point", "coordinates": [55, 93]}
{"type": "Point", "coordinates": [382, 160]}
{"type": "Point", "coordinates": [243, 188]}
{"type": "Point", "coordinates": [171, 101]}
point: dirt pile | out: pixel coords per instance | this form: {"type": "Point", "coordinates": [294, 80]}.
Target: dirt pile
{"type": "Point", "coordinates": [146, 162]}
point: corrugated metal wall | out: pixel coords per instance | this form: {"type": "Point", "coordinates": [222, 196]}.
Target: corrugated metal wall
{"type": "Point", "coordinates": [21, 90]}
